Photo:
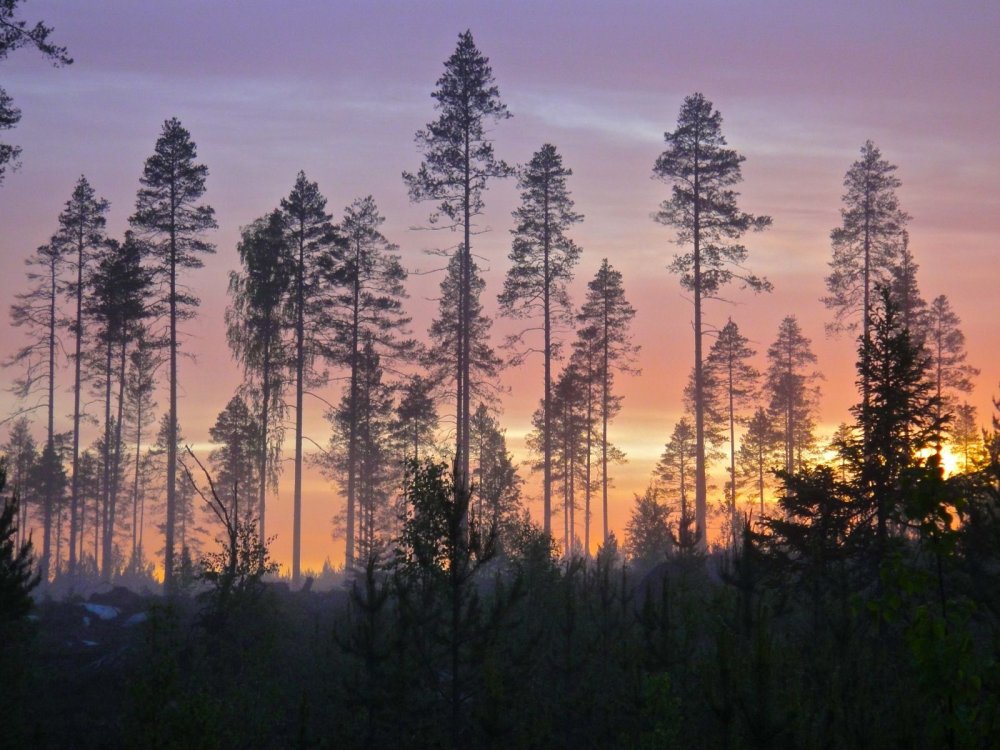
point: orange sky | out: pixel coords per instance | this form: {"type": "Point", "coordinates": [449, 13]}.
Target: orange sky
{"type": "Point", "coordinates": [339, 89]}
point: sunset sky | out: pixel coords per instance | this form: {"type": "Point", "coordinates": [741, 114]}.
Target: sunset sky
{"type": "Point", "coordinates": [338, 89]}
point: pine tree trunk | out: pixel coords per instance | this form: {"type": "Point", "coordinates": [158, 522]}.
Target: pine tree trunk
{"type": "Point", "coordinates": [547, 324]}
{"type": "Point", "coordinates": [299, 389]}
{"type": "Point", "coordinates": [700, 487]}
{"type": "Point", "coordinates": [168, 553]}
{"type": "Point", "coordinates": [78, 336]}
{"type": "Point", "coordinates": [352, 439]}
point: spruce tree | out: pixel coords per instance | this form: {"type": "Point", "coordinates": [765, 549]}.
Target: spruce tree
{"type": "Point", "coordinates": [168, 214]}
{"type": "Point", "coordinates": [542, 261]}
{"type": "Point", "coordinates": [608, 313]}
{"type": "Point", "coordinates": [704, 213]}
{"type": "Point", "coordinates": [458, 164]}
{"type": "Point", "coordinates": [897, 420]}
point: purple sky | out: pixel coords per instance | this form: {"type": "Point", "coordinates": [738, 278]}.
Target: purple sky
{"type": "Point", "coordinates": [338, 89]}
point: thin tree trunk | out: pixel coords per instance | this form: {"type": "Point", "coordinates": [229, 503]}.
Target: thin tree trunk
{"type": "Point", "coordinates": [352, 439]}
{"type": "Point", "coordinates": [299, 389]}
{"type": "Point", "coordinates": [168, 552]}
{"type": "Point", "coordinates": [51, 437]}
{"type": "Point", "coordinates": [700, 488]}
{"type": "Point", "coordinates": [78, 336]}
{"type": "Point", "coordinates": [547, 324]}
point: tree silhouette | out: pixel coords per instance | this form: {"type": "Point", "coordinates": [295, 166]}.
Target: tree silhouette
{"type": "Point", "coordinates": [792, 391]}
{"type": "Point", "coordinates": [458, 163]}
{"type": "Point", "coordinates": [951, 373]}
{"type": "Point", "coordinates": [867, 244]}
{"type": "Point", "coordinates": [79, 239]}
{"type": "Point", "coordinates": [446, 331]}
{"type": "Point", "coordinates": [758, 452]}
{"type": "Point", "coordinates": [254, 328]}
{"type": "Point", "coordinates": [496, 495]}
{"type": "Point", "coordinates": [361, 444]}
{"type": "Point", "coordinates": [168, 214]}
{"type": "Point", "coordinates": [36, 311]}
{"type": "Point", "coordinates": [118, 303]}
{"type": "Point", "coordinates": [368, 286]}
{"type": "Point", "coordinates": [416, 418]}
{"type": "Point", "coordinates": [605, 317]}
{"type": "Point", "coordinates": [734, 382]}
{"type": "Point", "coordinates": [311, 236]}
{"type": "Point", "coordinates": [14, 34]}
{"type": "Point", "coordinates": [542, 260]}
{"type": "Point", "coordinates": [236, 460]}
{"type": "Point", "coordinates": [675, 472]}
{"type": "Point", "coordinates": [703, 211]}
{"type": "Point", "coordinates": [897, 420]}
{"type": "Point", "coordinates": [906, 290]}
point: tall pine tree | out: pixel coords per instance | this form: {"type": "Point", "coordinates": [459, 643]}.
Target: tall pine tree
{"type": "Point", "coordinates": [542, 261]}
{"type": "Point", "coordinates": [702, 209]}
{"type": "Point", "coordinates": [458, 163]}
{"type": "Point", "coordinates": [169, 215]}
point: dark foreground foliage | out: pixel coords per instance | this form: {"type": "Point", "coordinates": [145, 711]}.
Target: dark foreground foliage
{"type": "Point", "coordinates": [462, 637]}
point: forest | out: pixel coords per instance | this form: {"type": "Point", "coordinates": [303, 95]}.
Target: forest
{"type": "Point", "coordinates": [774, 585]}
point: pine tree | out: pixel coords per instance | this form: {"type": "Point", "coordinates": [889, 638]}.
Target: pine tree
{"type": "Point", "coordinates": [446, 331]}
{"type": "Point", "coordinates": [951, 373]}
{"type": "Point", "coordinates": [542, 260]}
{"type": "Point", "coordinates": [119, 289]}
{"type": "Point", "coordinates": [416, 419]}
{"type": "Point", "coordinates": [311, 236]}
{"type": "Point", "coordinates": [758, 453]}
{"type": "Point", "coordinates": [14, 34]}
{"type": "Point", "coordinates": [967, 437]}
{"type": "Point", "coordinates": [733, 382]}
{"type": "Point", "coordinates": [647, 534]}
{"type": "Point", "coordinates": [606, 310]}
{"type": "Point", "coordinates": [458, 163]}
{"type": "Point", "coordinates": [675, 472]}
{"type": "Point", "coordinates": [569, 431]}
{"type": "Point", "coordinates": [362, 426]}
{"type": "Point", "coordinates": [36, 311]}
{"type": "Point", "coordinates": [254, 328]}
{"type": "Point", "coordinates": [368, 289]}
{"type": "Point", "coordinates": [235, 459]}
{"type": "Point", "coordinates": [496, 485]}
{"type": "Point", "coordinates": [703, 210]}
{"type": "Point", "coordinates": [906, 291]}
{"type": "Point", "coordinates": [21, 452]}
{"type": "Point", "coordinates": [168, 214]}
{"type": "Point", "coordinates": [140, 385]}
{"type": "Point", "coordinates": [792, 391]}
{"type": "Point", "coordinates": [79, 238]}
{"type": "Point", "coordinates": [868, 242]}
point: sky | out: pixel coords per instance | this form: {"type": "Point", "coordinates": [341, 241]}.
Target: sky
{"type": "Point", "coordinates": [337, 89]}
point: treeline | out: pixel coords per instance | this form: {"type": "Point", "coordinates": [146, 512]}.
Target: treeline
{"type": "Point", "coordinates": [317, 299]}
